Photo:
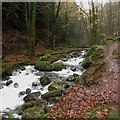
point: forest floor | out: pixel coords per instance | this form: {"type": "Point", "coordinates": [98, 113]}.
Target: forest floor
{"type": "Point", "coordinates": [96, 101]}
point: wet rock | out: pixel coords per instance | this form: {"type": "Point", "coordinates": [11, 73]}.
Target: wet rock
{"type": "Point", "coordinates": [23, 68]}
{"type": "Point", "coordinates": [9, 82]}
{"type": "Point", "coordinates": [28, 91]}
{"type": "Point", "coordinates": [53, 93]}
{"type": "Point", "coordinates": [32, 96]}
{"type": "Point", "coordinates": [61, 85]}
{"type": "Point", "coordinates": [70, 78]}
{"type": "Point", "coordinates": [44, 66]}
{"type": "Point", "coordinates": [33, 112]}
{"type": "Point", "coordinates": [58, 66]}
{"type": "Point", "coordinates": [45, 80]}
{"type": "Point", "coordinates": [35, 84]}
{"type": "Point", "coordinates": [73, 68]}
{"type": "Point", "coordinates": [22, 93]}
{"type": "Point", "coordinates": [16, 85]}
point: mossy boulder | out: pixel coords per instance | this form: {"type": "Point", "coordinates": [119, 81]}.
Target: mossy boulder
{"type": "Point", "coordinates": [46, 57]}
{"type": "Point", "coordinates": [29, 105]}
{"type": "Point", "coordinates": [33, 112]}
{"type": "Point", "coordinates": [58, 66]}
{"type": "Point", "coordinates": [95, 53]}
{"type": "Point", "coordinates": [44, 66]}
{"type": "Point", "coordinates": [32, 96]}
{"type": "Point", "coordinates": [45, 79]}
{"type": "Point", "coordinates": [51, 94]}
{"type": "Point", "coordinates": [61, 85]}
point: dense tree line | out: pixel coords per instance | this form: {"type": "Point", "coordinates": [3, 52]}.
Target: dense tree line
{"type": "Point", "coordinates": [62, 22]}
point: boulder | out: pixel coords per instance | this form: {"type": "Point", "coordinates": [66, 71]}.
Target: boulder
{"type": "Point", "coordinates": [58, 66]}
{"type": "Point", "coordinates": [61, 85]}
{"type": "Point", "coordinates": [15, 85]}
{"type": "Point", "coordinates": [9, 82]}
{"type": "Point", "coordinates": [44, 66]}
{"type": "Point", "coordinates": [72, 78]}
{"type": "Point", "coordinates": [73, 68]}
{"type": "Point", "coordinates": [33, 112]}
{"type": "Point", "coordinates": [45, 79]}
{"type": "Point", "coordinates": [51, 94]}
{"type": "Point", "coordinates": [28, 91]}
{"type": "Point", "coordinates": [35, 84]}
{"type": "Point", "coordinates": [22, 93]}
{"type": "Point", "coordinates": [32, 96]}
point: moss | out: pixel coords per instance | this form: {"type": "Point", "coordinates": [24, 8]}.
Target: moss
{"type": "Point", "coordinates": [53, 93]}
{"type": "Point", "coordinates": [45, 80]}
{"type": "Point", "coordinates": [7, 68]}
{"type": "Point", "coordinates": [58, 67]}
{"type": "Point", "coordinates": [46, 57]}
{"type": "Point", "coordinates": [58, 85]}
{"type": "Point", "coordinates": [61, 85]}
{"type": "Point", "coordinates": [95, 53]}
{"type": "Point", "coordinates": [29, 105]}
{"type": "Point", "coordinates": [33, 112]}
{"type": "Point", "coordinates": [44, 66]}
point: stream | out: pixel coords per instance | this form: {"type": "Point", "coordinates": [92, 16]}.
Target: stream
{"type": "Point", "coordinates": [13, 90]}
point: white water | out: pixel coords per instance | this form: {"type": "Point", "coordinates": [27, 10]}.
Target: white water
{"type": "Point", "coordinates": [71, 62]}
{"type": "Point", "coordinates": [9, 94]}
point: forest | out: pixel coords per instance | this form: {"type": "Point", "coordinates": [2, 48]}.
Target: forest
{"type": "Point", "coordinates": [60, 60]}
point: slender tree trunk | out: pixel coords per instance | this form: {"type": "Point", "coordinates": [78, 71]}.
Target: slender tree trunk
{"type": "Point", "coordinates": [30, 9]}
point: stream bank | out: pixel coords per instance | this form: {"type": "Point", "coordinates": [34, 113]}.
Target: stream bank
{"type": "Point", "coordinates": [27, 85]}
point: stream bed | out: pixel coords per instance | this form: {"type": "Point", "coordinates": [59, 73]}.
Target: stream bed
{"type": "Point", "coordinates": [27, 79]}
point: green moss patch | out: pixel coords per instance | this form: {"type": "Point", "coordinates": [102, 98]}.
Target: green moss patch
{"type": "Point", "coordinates": [61, 85]}
{"type": "Point", "coordinates": [44, 66]}
{"type": "Point", "coordinates": [33, 112]}
{"type": "Point", "coordinates": [53, 93]}
{"type": "Point", "coordinates": [58, 67]}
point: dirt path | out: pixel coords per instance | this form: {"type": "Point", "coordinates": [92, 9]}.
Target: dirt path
{"type": "Point", "coordinates": [97, 100]}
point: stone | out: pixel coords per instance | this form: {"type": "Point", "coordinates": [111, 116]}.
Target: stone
{"type": "Point", "coordinates": [44, 66]}
{"type": "Point", "coordinates": [15, 85]}
{"type": "Point", "coordinates": [31, 96]}
{"type": "Point", "coordinates": [9, 82]}
{"type": "Point", "coordinates": [28, 91]}
{"type": "Point", "coordinates": [45, 79]}
{"type": "Point", "coordinates": [35, 84]}
{"type": "Point", "coordinates": [61, 85]}
{"type": "Point", "coordinates": [51, 94]}
{"type": "Point", "coordinates": [22, 93]}
{"type": "Point", "coordinates": [33, 112]}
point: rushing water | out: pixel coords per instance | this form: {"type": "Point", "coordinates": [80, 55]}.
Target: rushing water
{"type": "Point", "coordinates": [9, 95]}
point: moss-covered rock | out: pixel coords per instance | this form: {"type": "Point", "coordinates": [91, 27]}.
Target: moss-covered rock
{"type": "Point", "coordinates": [31, 96]}
{"type": "Point", "coordinates": [44, 66]}
{"type": "Point", "coordinates": [45, 79]}
{"type": "Point", "coordinates": [33, 112]}
{"type": "Point", "coordinates": [29, 105]}
{"type": "Point", "coordinates": [53, 93]}
{"type": "Point", "coordinates": [58, 66]}
{"type": "Point", "coordinates": [95, 52]}
{"type": "Point", "coordinates": [46, 57]}
{"type": "Point", "coordinates": [61, 85]}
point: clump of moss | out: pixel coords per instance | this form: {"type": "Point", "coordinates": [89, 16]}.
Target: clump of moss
{"type": "Point", "coordinates": [95, 52]}
{"type": "Point", "coordinates": [44, 66]}
{"type": "Point", "coordinates": [61, 85]}
{"type": "Point", "coordinates": [53, 93]}
{"type": "Point", "coordinates": [58, 66]}
{"type": "Point", "coordinates": [7, 68]}
{"type": "Point", "coordinates": [33, 112]}
{"type": "Point", "coordinates": [46, 57]}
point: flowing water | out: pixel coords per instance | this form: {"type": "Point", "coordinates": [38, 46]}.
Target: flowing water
{"type": "Point", "coordinates": [23, 79]}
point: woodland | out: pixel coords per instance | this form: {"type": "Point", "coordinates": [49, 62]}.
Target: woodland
{"type": "Point", "coordinates": [60, 60]}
